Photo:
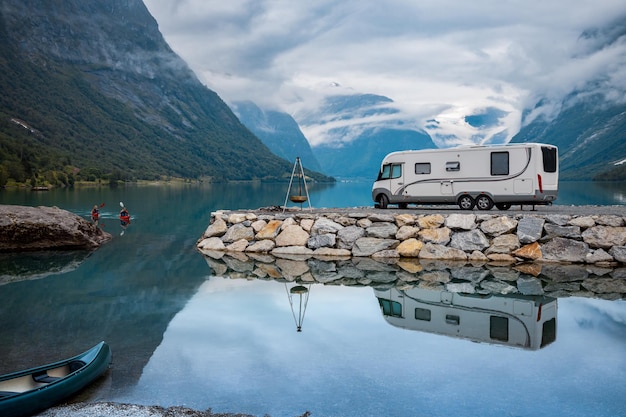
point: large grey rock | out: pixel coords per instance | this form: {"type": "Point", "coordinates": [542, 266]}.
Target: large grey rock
{"type": "Point", "coordinates": [237, 246]}
{"type": "Point", "coordinates": [604, 237]}
{"type": "Point", "coordinates": [292, 235]}
{"type": "Point", "coordinates": [438, 236]}
{"type": "Point", "coordinates": [217, 228]}
{"type": "Point", "coordinates": [381, 217]}
{"type": "Point", "coordinates": [434, 251]}
{"type": "Point", "coordinates": [558, 219]}
{"type": "Point", "coordinates": [367, 246]}
{"type": "Point", "coordinates": [498, 226]}
{"type": "Point", "coordinates": [600, 255]}
{"type": "Point", "coordinates": [619, 253]}
{"type": "Point", "coordinates": [504, 244]}
{"type": "Point", "coordinates": [327, 240]}
{"type": "Point", "coordinates": [383, 230]}
{"type": "Point", "coordinates": [235, 218]}
{"type": "Point", "coordinates": [261, 246]}
{"type": "Point", "coordinates": [469, 241]}
{"type": "Point", "coordinates": [461, 221]}
{"type": "Point", "coordinates": [348, 235]}
{"type": "Point", "coordinates": [583, 221]}
{"type": "Point", "coordinates": [325, 225]}
{"type": "Point", "coordinates": [405, 220]}
{"type": "Point", "coordinates": [24, 228]}
{"type": "Point", "coordinates": [237, 232]}
{"type": "Point", "coordinates": [610, 220]}
{"type": "Point", "coordinates": [570, 232]}
{"type": "Point", "coordinates": [211, 243]}
{"type": "Point", "coordinates": [530, 229]}
{"type": "Point", "coordinates": [407, 232]}
{"type": "Point", "coordinates": [564, 250]}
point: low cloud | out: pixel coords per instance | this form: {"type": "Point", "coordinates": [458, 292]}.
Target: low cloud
{"type": "Point", "coordinates": [437, 60]}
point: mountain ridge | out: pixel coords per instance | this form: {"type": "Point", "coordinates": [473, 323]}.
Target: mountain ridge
{"type": "Point", "coordinates": [110, 100]}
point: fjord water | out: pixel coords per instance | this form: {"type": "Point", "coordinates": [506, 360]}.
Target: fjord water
{"type": "Point", "coordinates": [182, 336]}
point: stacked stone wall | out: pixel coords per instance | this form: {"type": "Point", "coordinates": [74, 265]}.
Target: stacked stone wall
{"type": "Point", "coordinates": [514, 239]}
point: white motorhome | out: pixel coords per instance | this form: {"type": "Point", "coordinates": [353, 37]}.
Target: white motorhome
{"type": "Point", "coordinates": [470, 176]}
{"type": "Point", "coordinates": [515, 320]}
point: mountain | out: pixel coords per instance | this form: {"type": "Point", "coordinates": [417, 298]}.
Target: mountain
{"type": "Point", "coordinates": [590, 134]}
{"type": "Point", "coordinates": [358, 130]}
{"type": "Point", "coordinates": [90, 89]}
{"type": "Point", "coordinates": [589, 124]}
{"type": "Point", "coordinates": [278, 131]}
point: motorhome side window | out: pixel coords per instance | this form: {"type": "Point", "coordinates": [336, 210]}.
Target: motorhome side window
{"type": "Point", "coordinates": [549, 159]}
{"type": "Point", "coordinates": [422, 168]}
{"type": "Point", "coordinates": [453, 166]}
{"type": "Point", "coordinates": [422, 314]}
{"type": "Point", "coordinates": [499, 163]}
{"type": "Point", "coordinates": [499, 328]}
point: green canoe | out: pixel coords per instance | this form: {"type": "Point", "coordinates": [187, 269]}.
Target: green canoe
{"type": "Point", "coordinates": [25, 393]}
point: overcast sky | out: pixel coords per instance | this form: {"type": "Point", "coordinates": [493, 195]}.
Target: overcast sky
{"type": "Point", "coordinates": [437, 59]}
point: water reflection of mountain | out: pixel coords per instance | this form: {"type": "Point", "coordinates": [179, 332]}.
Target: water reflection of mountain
{"type": "Point", "coordinates": [536, 279]}
{"type": "Point", "coordinates": [35, 265]}
{"type": "Point", "coordinates": [527, 322]}
{"type": "Point", "coordinates": [129, 305]}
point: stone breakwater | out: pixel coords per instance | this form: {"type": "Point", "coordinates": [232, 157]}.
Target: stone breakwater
{"type": "Point", "coordinates": [483, 238]}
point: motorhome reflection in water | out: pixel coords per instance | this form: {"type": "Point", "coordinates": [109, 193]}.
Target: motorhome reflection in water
{"type": "Point", "coordinates": [527, 322]}
{"type": "Point", "coordinates": [471, 176]}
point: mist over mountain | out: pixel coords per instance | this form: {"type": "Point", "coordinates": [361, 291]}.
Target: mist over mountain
{"type": "Point", "coordinates": [90, 89]}
{"type": "Point", "coordinates": [278, 131]}
{"type": "Point", "coordinates": [590, 134]}
{"type": "Point", "coordinates": [579, 107]}
{"type": "Point", "coordinates": [358, 131]}
{"type": "Point", "coordinates": [589, 124]}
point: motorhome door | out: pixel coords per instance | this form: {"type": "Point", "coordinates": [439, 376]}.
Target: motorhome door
{"type": "Point", "coordinates": [393, 174]}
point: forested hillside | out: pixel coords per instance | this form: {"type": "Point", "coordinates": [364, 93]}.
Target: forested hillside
{"type": "Point", "coordinates": [90, 90]}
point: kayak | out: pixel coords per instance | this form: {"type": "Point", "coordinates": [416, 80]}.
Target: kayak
{"type": "Point", "coordinates": [27, 392]}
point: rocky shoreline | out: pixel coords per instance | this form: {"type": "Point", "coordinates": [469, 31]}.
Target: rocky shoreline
{"type": "Point", "coordinates": [24, 228]}
{"type": "Point", "coordinates": [508, 239]}
{"type": "Point", "coordinates": [111, 409]}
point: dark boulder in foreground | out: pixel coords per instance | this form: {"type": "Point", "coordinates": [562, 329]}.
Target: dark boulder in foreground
{"type": "Point", "coordinates": [24, 228]}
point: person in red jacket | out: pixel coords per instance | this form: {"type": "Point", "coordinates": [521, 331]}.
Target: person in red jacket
{"type": "Point", "coordinates": [95, 214]}
{"type": "Point", "coordinates": [124, 217]}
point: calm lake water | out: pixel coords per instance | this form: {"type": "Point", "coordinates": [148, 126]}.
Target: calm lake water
{"type": "Point", "coordinates": [182, 336]}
